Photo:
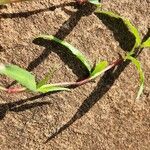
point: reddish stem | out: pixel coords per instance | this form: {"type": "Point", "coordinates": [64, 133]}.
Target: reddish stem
{"type": "Point", "coordinates": [15, 90]}
{"type": "Point", "coordinates": [69, 84]}
{"type": "Point", "coordinates": [79, 83]}
{"type": "Point", "coordinates": [81, 1]}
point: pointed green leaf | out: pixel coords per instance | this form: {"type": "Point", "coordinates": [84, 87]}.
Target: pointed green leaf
{"type": "Point", "coordinates": [24, 77]}
{"type": "Point", "coordinates": [95, 2]}
{"type": "Point", "coordinates": [134, 31]}
{"type": "Point", "coordinates": [47, 77]}
{"type": "Point", "coordinates": [51, 88]}
{"type": "Point", "coordinates": [129, 25]}
{"type": "Point", "coordinates": [98, 69]}
{"type": "Point", "coordinates": [146, 43]}
{"type": "Point", "coordinates": [141, 74]}
{"type": "Point", "coordinates": [44, 80]}
{"type": "Point", "coordinates": [72, 49]}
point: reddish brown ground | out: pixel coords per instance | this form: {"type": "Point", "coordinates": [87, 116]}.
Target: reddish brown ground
{"type": "Point", "coordinates": [96, 116]}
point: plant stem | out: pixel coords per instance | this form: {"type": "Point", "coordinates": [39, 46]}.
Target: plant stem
{"type": "Point", "coordinates": [15, 90]}
{"type": "Point", "coordinates": [2, 2]}
{"type": "Point", "coordinates": [67, 84]}
{"type": "Point", "coordinates": [79, 83]}
{"type": "Point", "coordinates": [81, 1]}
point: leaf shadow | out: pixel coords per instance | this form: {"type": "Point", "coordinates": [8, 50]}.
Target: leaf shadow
{"type": "Point", "coordinates": [64, 55]}
{"type": "Point", "coordinates": [1, 49]}
{"type": "Point", "coordinates": [107, 80]}
{"type": "Point", "coordinates": [26, 14]}
{"type": "Point", "coordinates": [101, 89]}
{"type": "Point", "coordinates": [103, 86]}
{"type": "Point", "coordinates": [22, 104]}
{"type": "Point", "coordinates": [143, 40]}
{"type": "Point", "coordinates": [3, 7]}
{"type": "Point", "coordinates": [120, 31]}
{"type": "Point", "coordinates": [67, 58]}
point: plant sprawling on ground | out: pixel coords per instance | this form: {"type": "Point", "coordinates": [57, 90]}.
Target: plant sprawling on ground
{"type": "Point", "coordinates": [96, 2]}
{"type": "Point", "coordinates": [28, 81]}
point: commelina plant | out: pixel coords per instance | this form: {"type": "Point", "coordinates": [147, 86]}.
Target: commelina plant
{"type": "Point", "coordinates": [28, 81]}
{"type": "Point", "coordinates": [96, 2]}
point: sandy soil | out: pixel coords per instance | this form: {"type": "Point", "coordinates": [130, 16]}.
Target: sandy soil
{"type": "Point", "coordinates": [102, 115]}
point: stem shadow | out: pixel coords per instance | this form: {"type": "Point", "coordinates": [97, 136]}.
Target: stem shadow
{"type": "Point", "coordinates": [67, 58]}
{"type": "Point", "coordinates": [3, 7]}
{"type": "Point", "coordinates": [22, 105]}
{"type": "Point", "coordinates": [64, 55]}
{"type": "Point", "coordinates": [101, 89]}
{"type": "Point", "coordinates": [108, 79]}
{"type": "Point", "coordinates": [29, 13]}
{"type": "Point", "coordinates": [121, 34]}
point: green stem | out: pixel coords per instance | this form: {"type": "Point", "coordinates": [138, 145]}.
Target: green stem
{"type": "Point", "coordinates": [67, 84]}
{"type": "Point", "coordinates": [79, 83]}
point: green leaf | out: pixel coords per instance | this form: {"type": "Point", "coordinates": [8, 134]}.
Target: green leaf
{"type": "Point", "coordinates": [95, 2]}
{"type": "Point", "coordinates": [24, 77]}
{"type": "Point", "coordinates": [146, 43]}
{"type": "Point", "coordinates": [4, 2]}
{"type": "Point", "coordinates": [72, 49]}
{"type": "Point", "coordinates": [47, 77]}
{"type": "Point", "coordinates": [135, 32]}
{"type": "Point", "coordinates": [98, 69]}
{"type": "Point", "coordinates": [44, 80]}
{"type": "Point", "coordinates": [141, 74]}
{"type": "Point", "coordinates": [129, 25]}
{"type": "Point", "coordinates": [51, 88]}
